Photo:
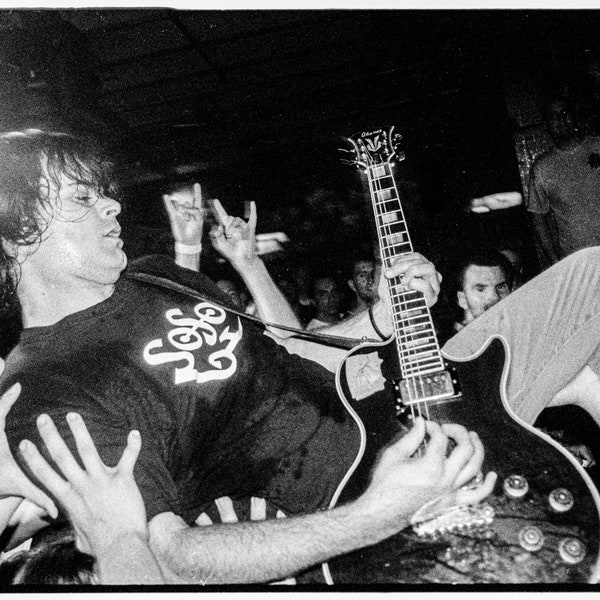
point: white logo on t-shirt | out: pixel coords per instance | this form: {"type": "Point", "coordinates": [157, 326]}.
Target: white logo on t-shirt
{"type": "Point", "coordinates": [192, 333]}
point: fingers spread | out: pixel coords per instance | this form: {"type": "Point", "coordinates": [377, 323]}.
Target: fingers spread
{"type": "Point", "coordinates": [31, 491]}
{"type": "Point", "coordinates": [131, 452]}
{"type": "Point", "coordinates": [45, 474]}
{"type": "Point", "coordinates": [8, 399]}
{"type": "Point", "coordinates": [85, 445]}
{"type": "Point", "coordinates": [57, 448]}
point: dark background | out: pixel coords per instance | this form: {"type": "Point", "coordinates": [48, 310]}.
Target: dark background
{"type": "Point", "coordinates": [252, 104]}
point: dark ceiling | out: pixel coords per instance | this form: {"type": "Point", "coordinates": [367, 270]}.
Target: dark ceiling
{"type": "Point", "coordinates": [260, 91]}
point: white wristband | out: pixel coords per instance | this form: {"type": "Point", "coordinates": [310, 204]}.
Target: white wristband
{"type": "Point", "coordinates": [187, 249]}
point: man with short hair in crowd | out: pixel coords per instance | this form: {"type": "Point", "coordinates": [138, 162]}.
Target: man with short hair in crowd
{"type": "Point", "coordinates": [328, 300]}
{"type": "Point", "coordinates": [483, 278]}
{"type": "Point", "coordinates": [565, 185]}
{"type": "Point", "coordinates": [363, 282]}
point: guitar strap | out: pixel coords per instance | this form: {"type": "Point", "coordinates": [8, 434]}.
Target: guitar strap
{"type": "Point", "coordinates": [328, 340]}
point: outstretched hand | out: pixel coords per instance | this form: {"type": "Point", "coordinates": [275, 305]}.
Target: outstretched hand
{"type": "Point", "coordinates": [13, 482]}
{"type": "Point", "coordinates": [233, 237]}
{"type": "Point", "coordinates": [102, 503]}
{"type": "Point", "coordinates": [186, 215]}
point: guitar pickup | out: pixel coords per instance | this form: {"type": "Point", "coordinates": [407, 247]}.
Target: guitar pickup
{"type": "Point", "coordinates": [427, 387]}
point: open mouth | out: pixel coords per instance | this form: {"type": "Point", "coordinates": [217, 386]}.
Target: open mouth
{"type": "Point", "coordinates": [114, 233]}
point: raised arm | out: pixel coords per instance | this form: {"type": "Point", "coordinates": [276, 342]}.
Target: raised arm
{"type": "Point", "coordinates": [186, 216]}
{"type": "Point", "coordinates": [236, 241]}
{"type": "Point", "coordinates": [417, 274]}
{"type": "Point", "coordinates": [103, 504]}
{"type": "Point", "coordinates": [274, 549]}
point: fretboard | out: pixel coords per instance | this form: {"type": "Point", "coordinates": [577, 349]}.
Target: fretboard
{"type": "Point", "coordinates": [416, 340]}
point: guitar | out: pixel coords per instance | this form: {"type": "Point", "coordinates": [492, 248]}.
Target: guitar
{"type": "Point", "coordinates": [541, 524]}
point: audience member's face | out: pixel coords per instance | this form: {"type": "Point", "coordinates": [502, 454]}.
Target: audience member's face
{"type": "Point", "coordinates": [483, 287]}
{"type": "Point", "coordinates": [82, 239]}
{"type": "Point", "coordinates": [327, 297]}
{"type": "Point", "coordinates": [363, 281]}
{"type": "Point", "coordinates": [228, 287]}
{"type": "Point", "coordinates": [560, 122]}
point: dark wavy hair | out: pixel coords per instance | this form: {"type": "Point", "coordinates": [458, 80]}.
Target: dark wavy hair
{"type": "Point", "coordinates": [56, 561]}
{"type": "Point", "coordinates": [30, 162]}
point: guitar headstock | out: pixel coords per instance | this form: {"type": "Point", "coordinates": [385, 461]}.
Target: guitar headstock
{"type": "Point", "coordinates": [375, 147]}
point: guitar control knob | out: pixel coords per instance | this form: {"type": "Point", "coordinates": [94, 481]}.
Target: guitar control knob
{"type": "Point", "coordinates": [561, 500]}
{"type": "Point", "coordinates": [571, 550]}
{"type": "Point", "coordinates": [515, 486]}
{"type": "Point", "coordinates": [531, 538]}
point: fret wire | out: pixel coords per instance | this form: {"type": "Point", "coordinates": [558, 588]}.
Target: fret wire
{"type": "Point", "coordinates": [409, 309]}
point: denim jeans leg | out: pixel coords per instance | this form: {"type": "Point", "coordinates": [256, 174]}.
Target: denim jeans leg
{"type": "Point", "coordinates": [552, 327]}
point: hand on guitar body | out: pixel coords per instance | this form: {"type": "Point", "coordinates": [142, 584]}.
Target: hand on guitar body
{"type": "Point", "coordinates": [409, 480]}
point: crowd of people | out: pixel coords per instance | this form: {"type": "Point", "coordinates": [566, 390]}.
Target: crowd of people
{"type": "Point", "coordinates": [146, 409]}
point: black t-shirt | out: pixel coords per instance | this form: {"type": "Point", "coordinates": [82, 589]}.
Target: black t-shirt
{"type": "Point", "coordinates": [221, 408]}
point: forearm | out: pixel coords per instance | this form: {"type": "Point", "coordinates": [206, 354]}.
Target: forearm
{"type": "Point", "coordinates": [259, 551]}
{"type": "Point", "coordinates": [271, 304]}
{"type": "Point", "coordinates": [128, 560]}
{"type": "Point", "coordinates": [188, 261]}
{"type": "Point", "coordinates": [355, 328]}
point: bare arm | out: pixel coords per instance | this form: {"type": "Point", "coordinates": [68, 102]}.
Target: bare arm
{"type": "Point", "coordinates": [418, 274]}
{"type": "Point", "coordinates": [103, 504]}
{"type": "Point", "coordinates": [270, 550]}
{"type": "Point", "coordinates": [236, 241]}
{"type": "Point", "coordinates": [497, 201]}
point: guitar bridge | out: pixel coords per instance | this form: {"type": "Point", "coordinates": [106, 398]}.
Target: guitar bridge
{"type": "Point", "coordinates": [432, 386]}
{"type": "Point", "coordinates": [456, 518]}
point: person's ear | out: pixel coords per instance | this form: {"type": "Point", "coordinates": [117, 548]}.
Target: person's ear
{"type": "Point", "coordinates": [461, 300]}
{"type": "Point", "coordinates": [351, 285]}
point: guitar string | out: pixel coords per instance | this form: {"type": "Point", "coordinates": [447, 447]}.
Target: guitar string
{"type": "Point", "coordinates": [424, 324]}
{"type": "Point", "coordinates": [386, 244]}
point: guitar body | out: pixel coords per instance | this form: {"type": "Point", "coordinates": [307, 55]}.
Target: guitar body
{"type": "Point", "coordinates": [535, 537]}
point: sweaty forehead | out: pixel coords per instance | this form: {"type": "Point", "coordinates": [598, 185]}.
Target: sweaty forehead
{"type": "Point", "coordinates": [478, 275]}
